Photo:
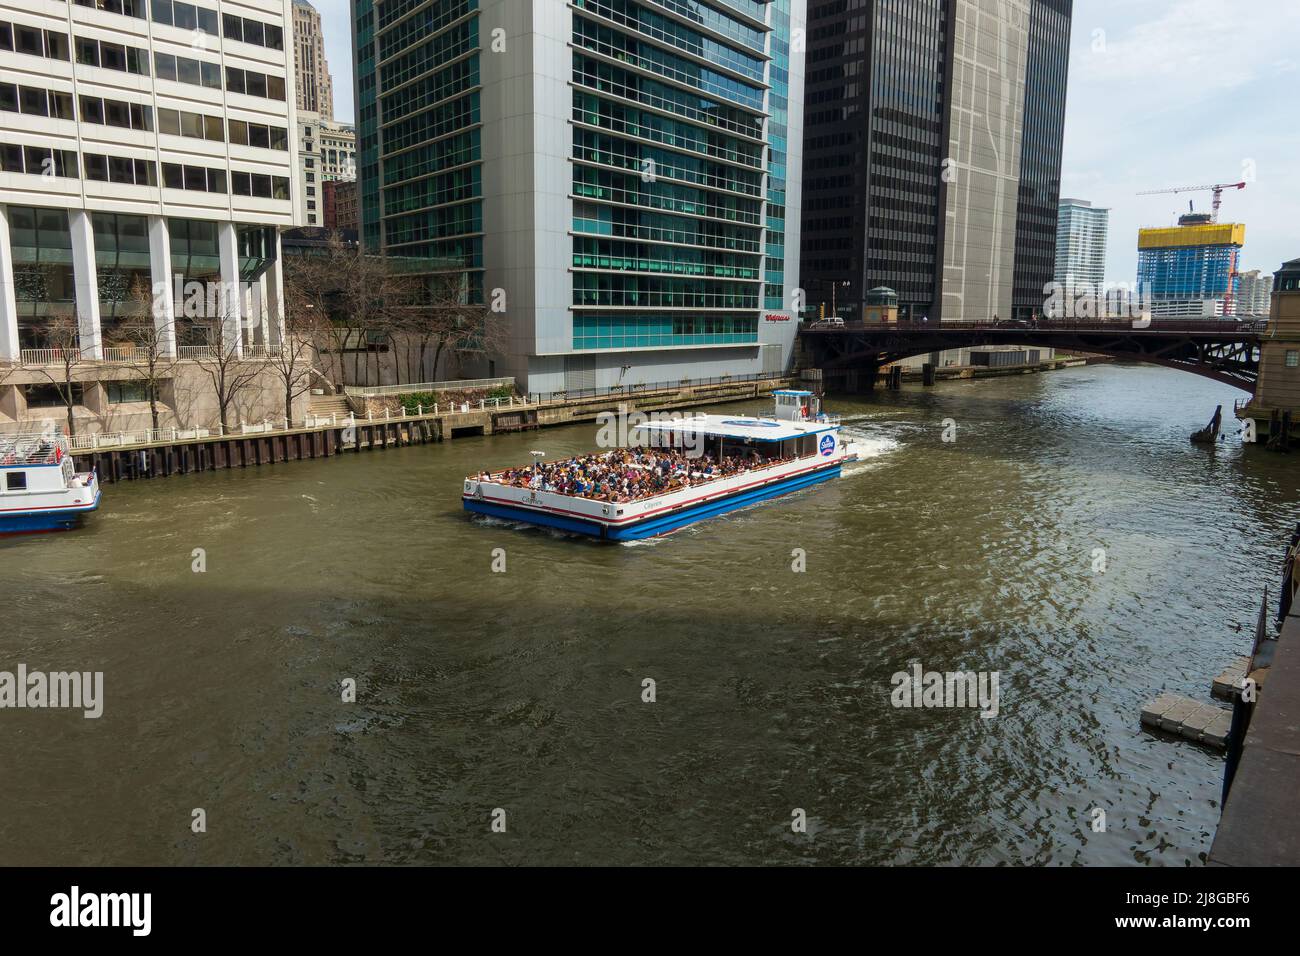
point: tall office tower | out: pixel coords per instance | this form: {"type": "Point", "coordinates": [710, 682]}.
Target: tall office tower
{"type": "Point", "coordinates": [1081, 231]}
{"type": "Point", "coordinates": [932, 154]}
{"type": "Point", "coordinates": [1190, 270]}
{"type": "Point", "coordinates": [145, 148]}
{"type": "Point", "coordinates": [315, 85]}
{"type": "Point", "coordinates": [614, 175]}
{"type": "Point", "coordinates": [1254, 293]}
{"type": "Point", "coordinates": [1046, 72]}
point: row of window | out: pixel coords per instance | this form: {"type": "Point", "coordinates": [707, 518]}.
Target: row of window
{"type": "Point", "coordinates": [121, 169]}
{"type": "Point", "coordinates": [33, 41]}
{"type": "Point", "coordinates": [189, 16]}
{"type": "Point", "coordinates": [44, 161]}
{"type": "Point", "coordinates": [38, 160]}
{"type": "Point", "coordinates": [203, 179]}
{"type": "Point", "coordinates": [32, 101]}
{"type": "Point", "coordinates": [129, 59]}
{"type": "Point", "coordinates": [254, 84]}
{"type": "Point", "coordinates": [112, 56]}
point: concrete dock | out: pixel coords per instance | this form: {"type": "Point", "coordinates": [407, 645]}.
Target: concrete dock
{"type": "Point", "coordinates": [1194, 720]}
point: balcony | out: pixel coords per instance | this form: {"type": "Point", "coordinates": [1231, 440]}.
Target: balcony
{"type": "Point", "coordinates": [127, 355]}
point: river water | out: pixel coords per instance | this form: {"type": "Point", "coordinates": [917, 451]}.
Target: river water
{"type": "Point", "coordinates": [522, 690]}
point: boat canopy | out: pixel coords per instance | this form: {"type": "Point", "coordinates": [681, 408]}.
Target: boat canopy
{"type": "Point", "coordinates": [722, 426]}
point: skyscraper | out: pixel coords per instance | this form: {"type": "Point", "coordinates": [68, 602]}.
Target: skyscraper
{"type": "Point", "coordinates": [615, 175]}
{"type": "Point", "coordinates": [1081, 231]}
{"type": "Point", "coordinates": [1190, 269]}
{"type": "Point", "coordinates": [1254, 293]}
{"type": "Point", "coordinates": [932, 153]}
{"type": "Point", "coordinates": [315, 85]}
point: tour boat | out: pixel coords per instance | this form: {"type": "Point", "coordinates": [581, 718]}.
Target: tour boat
{"type": "Point", "coordinates": [40, 488]}
{"type": "Point", "coordinates": [798, 447]}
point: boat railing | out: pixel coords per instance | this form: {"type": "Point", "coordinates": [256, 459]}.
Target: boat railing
{"type": "Point", "coordinates": [31, 448]}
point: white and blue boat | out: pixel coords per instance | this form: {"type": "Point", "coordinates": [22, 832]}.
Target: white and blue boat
{"type": "Point", "coordinates": [40, 488]}
{"type": "Point", "coordinates": [765, 458]}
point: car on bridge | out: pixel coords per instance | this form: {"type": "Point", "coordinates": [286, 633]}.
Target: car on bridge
{"type": "Point", "coordinates": [831, 323]}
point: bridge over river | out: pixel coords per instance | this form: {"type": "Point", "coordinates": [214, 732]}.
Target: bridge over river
{"type": "Point", "coordinates": [1226, 351]}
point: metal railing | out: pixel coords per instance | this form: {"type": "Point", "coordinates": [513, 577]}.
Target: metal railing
{"type": "Point", "coordinates": [541, 398]}
{"type": "Point", "coordinates": [115, 354]}
{"type": "Point", "coordinates": [195, 351]}
{"type": "Point", "coordinates": [160, 436]}
{"type": "Point", "coordinates": [1044, 325]}
{"type": "Point", "coordinates": [375, 391]}
{"type": "Point", "coordinates": [48, 356]}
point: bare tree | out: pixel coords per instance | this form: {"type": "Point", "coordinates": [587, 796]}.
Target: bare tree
{"type": "Point", "coordinates": [64, 336]}
{"type": "Point", "coordinates": [303, 324]}
{"type": "Point", "coordinates": [361, 300]}
{"type": "Point", "coordinates": [227, 370]}
{"type": "Point", "coordinates": [432, 317]}
{"type": "Point", "coordinates": [153, 351]}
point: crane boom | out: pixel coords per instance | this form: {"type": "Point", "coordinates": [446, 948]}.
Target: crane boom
{"type": "Point", "coordinates": [1216, 188]}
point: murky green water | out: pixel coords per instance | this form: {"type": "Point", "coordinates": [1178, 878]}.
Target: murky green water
{"type": "Point", "coordinates": [522, 690]}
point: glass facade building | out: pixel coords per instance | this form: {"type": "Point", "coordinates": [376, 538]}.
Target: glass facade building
{"type": "Point", "coordinates": [903, 184]}
{"type": "Point", "coordinates": [418, 133]}
{"type": "Point", "coordinates": [1081, 233]}
{"type": "Point", "coordinates": [1190, 270]}
{"type": "Point", "coordinates": [613, 174]}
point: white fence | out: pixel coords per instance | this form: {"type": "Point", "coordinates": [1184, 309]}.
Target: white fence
{"type": "Point", "coordinates": [162, 436]}
{"type": "Point", "coordinates": [117, 354]}
{"type": "Point", "coordinates": [49, 356]}
{"type": "Point", "coordinates": [375, 391]}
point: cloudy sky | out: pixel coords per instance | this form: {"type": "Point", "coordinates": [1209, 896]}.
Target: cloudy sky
{"type": "Point", "coordinates": [1162, 93]}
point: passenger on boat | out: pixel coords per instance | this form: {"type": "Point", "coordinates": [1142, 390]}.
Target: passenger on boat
{"type": "Point", "coordinates": [629, 474]}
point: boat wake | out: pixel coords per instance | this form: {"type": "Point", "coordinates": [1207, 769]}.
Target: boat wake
{"type": "Point", "coordinates": [871, 447]}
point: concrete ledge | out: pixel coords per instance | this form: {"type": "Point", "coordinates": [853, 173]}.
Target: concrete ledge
{"type": "Point", "coordinates": [1261, 822]}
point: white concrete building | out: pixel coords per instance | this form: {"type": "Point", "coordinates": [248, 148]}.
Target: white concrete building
{"type": "Point", "coordinates": [144, 146]}
{"type": "Point", "coordinates": [326, 151]}
{"type": "Point", "coordinates": [1255, 294]}
{"type": "Point", "coordinates": [1081, 232]}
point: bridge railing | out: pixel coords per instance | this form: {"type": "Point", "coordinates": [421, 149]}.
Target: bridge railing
{"type": "Point", "coordinates": [1216, 326]}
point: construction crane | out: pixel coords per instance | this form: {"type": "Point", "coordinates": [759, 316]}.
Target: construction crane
{"type": "Point", "coordinates": [1216, 188]}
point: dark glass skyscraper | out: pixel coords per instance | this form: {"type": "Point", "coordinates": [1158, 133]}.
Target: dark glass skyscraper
{"type": "Point", "coordinates": [932, 153]}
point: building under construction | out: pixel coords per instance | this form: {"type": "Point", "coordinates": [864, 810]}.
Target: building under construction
{"type": "Point", "coordinates": [1190, 270]}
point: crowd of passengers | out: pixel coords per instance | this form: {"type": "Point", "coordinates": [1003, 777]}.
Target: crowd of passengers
{"type": "Point", "coordinates": [628, 474]}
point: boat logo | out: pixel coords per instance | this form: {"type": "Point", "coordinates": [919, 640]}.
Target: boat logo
{"type": "Point", "coordinates": [827, 446]}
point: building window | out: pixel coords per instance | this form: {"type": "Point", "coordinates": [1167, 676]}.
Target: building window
{"type": "Point", "coordinates": [119, 393]}
{"type": "Point", "coordinates": [122, 264]}
{"type": "Point", "coordinates": [51, 396]}
{"type": "Point", "coordinates": [1292, 358]}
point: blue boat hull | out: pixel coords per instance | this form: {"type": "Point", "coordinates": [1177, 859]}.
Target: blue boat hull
{"type": "Point", "coordinates": [31, 522]}
{"type": "Point", "coordinates": [656, 525]}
